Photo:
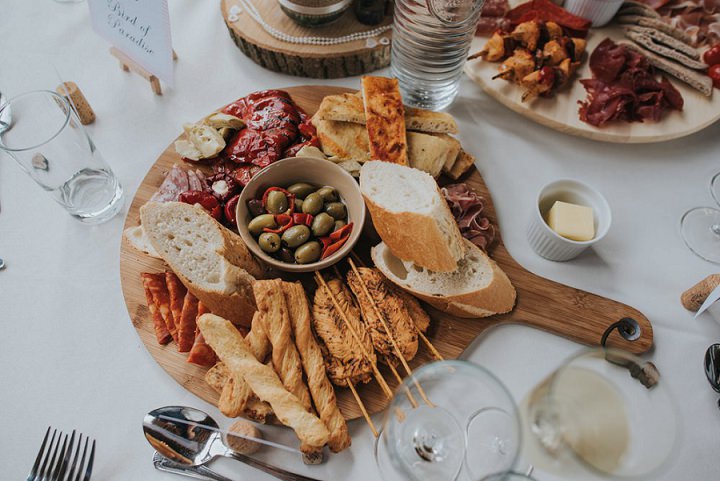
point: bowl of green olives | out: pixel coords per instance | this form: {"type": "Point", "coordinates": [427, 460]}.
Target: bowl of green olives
{"type": "Point", "coordinates": [301, 214]}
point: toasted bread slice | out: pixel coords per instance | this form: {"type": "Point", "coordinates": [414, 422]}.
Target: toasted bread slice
{"type": "Point", "coordinates": [463, 162]}
{"type": "Point", "coordinates": [211, 261]}
{"type": "Point", "coordinates": [478, 288]}
{"type": "Point", "coordinates": [385, 119]}
{"type": "Point", "coordinates": [411, 216]}
{"type": "Point", "coordinates": [350, 108]}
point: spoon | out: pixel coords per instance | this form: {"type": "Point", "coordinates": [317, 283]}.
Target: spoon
{"type": "Point", "coordinates": [162, 463]}
{"type": "Point", "coordinates": [712, 367]}
{"type": "Point", "coordinates": [191, 437]}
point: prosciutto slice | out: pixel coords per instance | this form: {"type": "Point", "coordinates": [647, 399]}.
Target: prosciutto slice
{"type": "Point", "coordinates": [624, 87]}
{"type": "Point", "coordinates": [177, 181]}
{"type": "Point", "coordinates": [698, 18]}
{"type": "Point", "coordinates": [467, 208]}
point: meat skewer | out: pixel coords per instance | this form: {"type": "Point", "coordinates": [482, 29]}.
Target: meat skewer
{"type": "Point", "coordinates": [398, 353]}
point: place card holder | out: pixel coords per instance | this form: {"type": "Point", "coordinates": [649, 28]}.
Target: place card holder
{"type": "Point", "coordinates": [128, 65]}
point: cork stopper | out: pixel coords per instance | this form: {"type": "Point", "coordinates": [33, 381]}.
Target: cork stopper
{"type": "Point", "coordinates": [74, 95]}
{"type": "Point", "coordinates": [242, 445]}
{"type": "Point", "coordinates": [694, 297]}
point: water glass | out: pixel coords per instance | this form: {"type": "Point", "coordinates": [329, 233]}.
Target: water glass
{"type": "Point", "coordinates": [431, 40]}
{"type": "Point", "coordinates": [595, 417]}
{"type": "Point", "coordinates": [46, 139]}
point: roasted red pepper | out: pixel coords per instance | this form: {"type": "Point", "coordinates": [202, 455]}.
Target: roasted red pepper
{"type": "Point", "coordinates": [206, 200]}
{"type": "Point", "coordinates": [285, 221]}
{"type": "Point", "coordinates": [303, 219]}
{"type": "Point", "coordinates": [342, 232]}
{"type": "Point", "coordinates": [333, 242]}
{"type": "Point", "coordinates": [230, 207]}
{"type": "Point", "coordinates": [333, 248]}
{"type": "Point", "coordinates": [549, 12]}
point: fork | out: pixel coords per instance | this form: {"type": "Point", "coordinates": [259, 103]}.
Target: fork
{"type": "Point", "coordinates": [53, 462]}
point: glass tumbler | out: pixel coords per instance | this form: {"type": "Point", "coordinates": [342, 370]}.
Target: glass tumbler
{"type": "Point", "coordinates": [595, 417]}
{"type": "Point", "coordinates": [46, 139]}
{"type": "Point", "coordinates": [431, 40]}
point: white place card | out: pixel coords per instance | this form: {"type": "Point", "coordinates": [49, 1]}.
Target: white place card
{"type": "Point", "coordinates": [140, 29]}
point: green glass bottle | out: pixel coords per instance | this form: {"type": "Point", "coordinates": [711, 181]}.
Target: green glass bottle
{"type": "Point", "coordinates": [370, 12]}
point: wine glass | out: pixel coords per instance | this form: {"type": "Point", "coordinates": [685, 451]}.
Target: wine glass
{"type": "Point", "coordinates": [700, 227]}
{"type": "Point", "coordinates": [604, 414]}
{"type": "Point", "coordinates": [449, 420]}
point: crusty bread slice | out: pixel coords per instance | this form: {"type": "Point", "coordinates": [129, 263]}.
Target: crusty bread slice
{"type": "Point", "coordinates": [210, 260]}
{"type": "Point", "coordinates": [478, 288]}
{"type": "Point", "coordinates": [385, 119]}
{"type": "Point", "coordinates": [350, 108]}
{"type": "Point", "coordinates": [411, 215]}
{"type": "Point", "coordinates": [136, 238]}
{"type": "Point", "coordinates": [463, 162]}
{"type": "Point", "coordinates": [430, 153]}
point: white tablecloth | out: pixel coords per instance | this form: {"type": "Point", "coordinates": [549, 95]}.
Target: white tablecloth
{"type": "Point", "coordinates": [71, 357]}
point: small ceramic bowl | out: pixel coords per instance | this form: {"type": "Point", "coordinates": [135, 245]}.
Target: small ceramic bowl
{"type": "Point", "coordinates": [286, 172]}
{"type": "Point", "coordinates": [599, 12]}
{"type": "Point", "coordinates": [549, 244]}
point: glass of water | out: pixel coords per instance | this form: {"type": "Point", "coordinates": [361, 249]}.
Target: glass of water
{"type": "Point", "coordinates": [431, 40]}
{"type": "Point", "coordinates": [46, 138]}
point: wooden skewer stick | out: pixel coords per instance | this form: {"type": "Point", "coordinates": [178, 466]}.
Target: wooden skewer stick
{"type": "Point", "coordinates": [381, 380]}
{"type": "Point", "coordinates": [362, 408]}
{"type": "Point", "coordinates": [389, 333]}
{"type": "Point", "coordinates": [436, 354]}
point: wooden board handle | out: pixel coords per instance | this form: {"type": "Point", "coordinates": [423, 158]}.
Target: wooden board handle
{"type": "Point", "coordinates": [593, 314]}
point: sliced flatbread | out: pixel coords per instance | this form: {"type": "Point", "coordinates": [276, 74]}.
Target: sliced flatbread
{"type": "Point", "coordinates": [350, 108]}
{"type": "Point", "coordinates": [462, 164]}
{"type": "Point", "coordinates": [385, 119]}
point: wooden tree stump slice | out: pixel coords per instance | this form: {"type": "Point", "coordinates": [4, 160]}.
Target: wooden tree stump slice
{"type": "Point", "coordinates": [315, 61]}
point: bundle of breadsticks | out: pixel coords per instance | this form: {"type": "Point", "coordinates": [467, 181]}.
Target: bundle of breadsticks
{"type": "Point", "coordinates": [248, 386]}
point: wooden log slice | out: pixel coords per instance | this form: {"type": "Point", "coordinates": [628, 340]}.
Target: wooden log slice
{"type": "Point", "coordinates": [316, 61]}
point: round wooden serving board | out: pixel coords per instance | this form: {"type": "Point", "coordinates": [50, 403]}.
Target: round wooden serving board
{"type": "Point", "coordinates": [315, 61]}
{"type": "Point", "coordinates": [541, 303]}
{"type": "Point", "coordinates": [560, 112]}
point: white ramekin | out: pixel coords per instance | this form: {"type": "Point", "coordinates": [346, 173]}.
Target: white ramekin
{"type": "Point", "coordinates": [599, 12]}
{"type": "Point", "coordinates": [549, 244]}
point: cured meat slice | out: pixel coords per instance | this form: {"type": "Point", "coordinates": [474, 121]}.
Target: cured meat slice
{"type": "Point", "coordinates": [176, 182]}
{"type": "Point", "coordinates": [155, 282]}
{"type": "Point", "coordinates": [177, 293]}
{"type": "Point", "coordinates": [201, 353]}
{"type": "Point", "coordinates": [467, 208]}
{"type": "Point", "coordinates": [187, 326]}
{"type": "Point", "coordinates": [161, 332]}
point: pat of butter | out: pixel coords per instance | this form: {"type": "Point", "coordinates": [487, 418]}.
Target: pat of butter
{"type": "Point", "coordinates": [574, 222]}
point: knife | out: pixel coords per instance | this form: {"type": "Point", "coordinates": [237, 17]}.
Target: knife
{"type": "Point", "coordinates": [162, 463]}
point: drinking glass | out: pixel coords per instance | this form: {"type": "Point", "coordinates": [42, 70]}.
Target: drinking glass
{"type": "Point", "coordinates": [431, 40]}
{"type": "Point", "coordinates": [700, 227]}
{"type": "Point", "coordinates": [46, 139]}
{"type": "Point", "coordinates": [593, 417]}
{"type": "Point", "coordinates": [449, 420]}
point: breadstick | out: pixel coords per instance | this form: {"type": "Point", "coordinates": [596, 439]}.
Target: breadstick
{"type": "Point", "coordinates": [235, 352]}
{"type": "Point", "coordinates": [322, 391]}
{"type": "Point", "coordinates": [276, 322]}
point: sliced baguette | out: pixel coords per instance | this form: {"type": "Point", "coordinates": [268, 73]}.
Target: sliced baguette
{"type": "Point", "coordinates": [210, 260]}
{"type": "Point", "coordinates": [411, 215]}
{"type": "Point", "coordinates": [136, 238]}
{"type": "Point", "coordinates": [350, 108]}
{"type": "Point", "coordinates": [478, 288]}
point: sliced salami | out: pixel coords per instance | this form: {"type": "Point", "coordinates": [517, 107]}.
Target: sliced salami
{"type": "Point", "coordinates": [176, 182]}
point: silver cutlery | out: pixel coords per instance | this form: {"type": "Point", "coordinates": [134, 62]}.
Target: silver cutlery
{"type": "Point", "coordinates": [162, 463]}
{"type": "Point", "coordinates": [56, 462]}
{"type": "Point", "coordinates": [191, 437]}
{"type": "Point", "coordinates": [712, 367]}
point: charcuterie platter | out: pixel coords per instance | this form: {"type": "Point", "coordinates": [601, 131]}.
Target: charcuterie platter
{"type": "Point", "coordinates": [577, 315]}
{"type": "Point", "coordinates": [561, 110]}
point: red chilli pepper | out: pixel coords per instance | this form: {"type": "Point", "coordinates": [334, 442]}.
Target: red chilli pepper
{"type": "Point", "coordinates": [290, 198]}
{"type": "Point", "coordinates": [326, 242]}
{"type": "Point", "coordinates": [285, 221]}
{"type": "Point", "coordinates": [340, 233]}
{"type": "Point", "coordinates": [206, 200]}
{"type": "Point", "coordinates": [230, 207]}
{"type": "Point", "coordinates": [333, 248]}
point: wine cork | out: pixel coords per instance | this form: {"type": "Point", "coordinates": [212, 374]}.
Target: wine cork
{"type": "Point", "coordinates": [74, 95]}
{"type": "Point", "coordinates": [242, 445]}
{"type": "Point", "coordinates": [313, 457]}
{"type": "Point", "coordinates": [694, 297]}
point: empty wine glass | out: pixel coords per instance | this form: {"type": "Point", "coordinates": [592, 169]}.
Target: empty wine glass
{"type": "Point", "coordinates": [465, 427]}
{"type": "Point", "coordinates": [700, 227]}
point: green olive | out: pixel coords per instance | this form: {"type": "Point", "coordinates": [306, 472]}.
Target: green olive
{"type": "Point", "coordinates": [286, 255]}
{"type": "Point", "coordinates": [339, 224]}
{"type": "Point", "coordinates": [322, 224]}
{"type": "Point", "coordinates": [260, 222]}
{"type": "Point", "coordinates": [336, 210]}
{"type": "Point", "coordinates": [329, 194]}
{"type": "Point", "coordinates": [296, 235]}
{"type": "Point", "coordinates": [308, 252]}
{"type": "Point", "coordinates": [298, 204]}
{"type": "Point", "coordinates": [269, 242]}
{"type": "Point", "coordinates": [313, 204]}
{"type": "Point", "coordinates": [301, 189]}
{"type": "Point", "coordinates": [277, 202]}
